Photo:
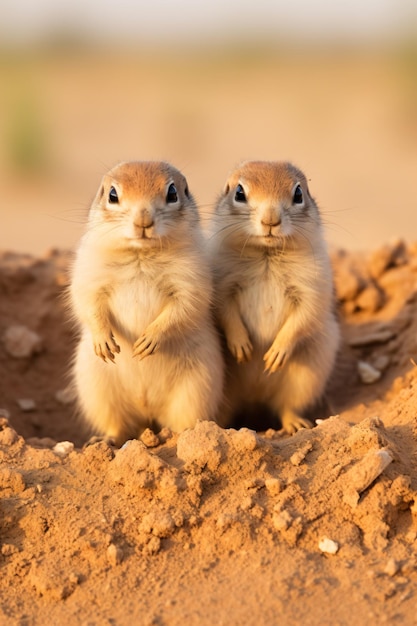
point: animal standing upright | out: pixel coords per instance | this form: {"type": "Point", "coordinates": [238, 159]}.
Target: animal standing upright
{"type": "Point", "coordinates": [141, 291]}
{"type": "Point", "coordinates": [274, 293]}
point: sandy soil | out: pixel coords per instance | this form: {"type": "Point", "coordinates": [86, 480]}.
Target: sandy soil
{"type": "Point", "coordinates": [212, 526]}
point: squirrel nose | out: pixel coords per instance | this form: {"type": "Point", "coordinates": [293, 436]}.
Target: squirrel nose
{"type": "Point", "coordinates": [271, 218]}
{"type": "Point", "coordinates": [144, 218]}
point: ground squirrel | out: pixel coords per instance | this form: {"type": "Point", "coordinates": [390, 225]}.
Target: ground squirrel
{"type": "Point", "coordinates": [141, 291]}
{"type": "Point", "coordinates": [274, 293]}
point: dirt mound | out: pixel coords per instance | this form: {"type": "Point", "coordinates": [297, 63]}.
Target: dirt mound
{"type": "Point", "coordinates": [212, 526]}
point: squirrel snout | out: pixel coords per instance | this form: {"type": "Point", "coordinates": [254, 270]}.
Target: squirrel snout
{"type": "Point", "coordinates": [144, 218]}
{"type": "Point", "coordinates": [271, 218]}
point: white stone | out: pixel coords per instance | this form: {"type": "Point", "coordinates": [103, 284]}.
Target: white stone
{"type": "Point", "coordinates": [367, 373]}
{"type": "Point", "coordinates": [363, 473]}
{"type": "Point", "coordinates": [20, 342]}
{"type": "Point", "coordinates": [392, 567]}
{"type": "Point", "coordinates": [26, 404]}
{"type": "Point", "coordinates": [63, 448]}
{"type": "Point", "coordinates": [328, 545]}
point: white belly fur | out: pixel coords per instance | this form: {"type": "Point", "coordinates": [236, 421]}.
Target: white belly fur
{"type": "Point", "coordinates": [178, 384]}
{"type": "Point", "coordinates": [262, 307]}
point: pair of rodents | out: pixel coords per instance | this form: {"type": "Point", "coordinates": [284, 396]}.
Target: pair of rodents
{"type": "Point", "coordinates": [145, 283]}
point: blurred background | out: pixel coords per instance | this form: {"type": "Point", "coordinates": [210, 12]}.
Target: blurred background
{"type": "Point", "coordinates": [87, 83]}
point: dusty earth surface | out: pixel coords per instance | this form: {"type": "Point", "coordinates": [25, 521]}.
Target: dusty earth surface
{"type": "Point", "coordinates": [212, 526]}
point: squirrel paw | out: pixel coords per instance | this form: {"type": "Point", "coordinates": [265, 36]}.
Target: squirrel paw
{"type": "Point", "coordinates": [146, 345]}
{"type": "Point", "coordinates": [105, 346]}
{"type": "Point", "coordinates": [240, 347]}
{"type": "Point", "coordinates": [291, 422]}
{"type": "Point", "coordinates": [275, 358]}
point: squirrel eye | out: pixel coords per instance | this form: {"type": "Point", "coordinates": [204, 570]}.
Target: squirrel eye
{"type": "Point", "coordinates": [240, 194]}
{"type": "Point", "coordinates": [172, 195]}
{"type": "Point", "coordinates": [113, 197]}
{"type": "Point", "coordinates": [298, 195]}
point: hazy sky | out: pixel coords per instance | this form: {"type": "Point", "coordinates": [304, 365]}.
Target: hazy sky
{"type": "Point", "coordinates": [26, 20]}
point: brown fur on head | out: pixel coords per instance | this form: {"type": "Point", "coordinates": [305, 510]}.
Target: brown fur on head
{"type": "Point", "coordinates": [275, 205]}
{"type": "Point", "coordinates": [275, 177]}
{"type": "Point", "coordinates": [141, 203]}
{"type": "Point", "coordinates": [149, 178]}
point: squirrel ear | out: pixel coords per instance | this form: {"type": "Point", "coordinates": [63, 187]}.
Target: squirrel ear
{"type": "Point", "coordinates": [98, 197]}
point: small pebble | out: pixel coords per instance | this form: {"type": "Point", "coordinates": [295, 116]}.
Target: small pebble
{"type": "Point", "coordinates": [391, 568]}
{"type": "Point", "coordinates": [328, 545]}
{"type": "Point", "coordinates": [274, 486]}
{"type": "Point", "coordinates": [63, 448]}
{"type": "Point", "coordinates": [367, 373]}
{"type": "Point", "coordinates": [159, 523]}
{"type": "Point", "coordinates": [20, 342]}
{"type": "Point", "coordinates": [149, 438]}
{"type": "Point", "coordinates": [8, 436]}
{"type": "Point", "coordinates": [298, 457]}
{"type": "Point", "coordinates": [114, 554]}
{"type": "Point", "coordinates": [165, 434]}
{"type": "Point", "coordinates": [281, 520]}
{"type": "Point", "coordinates": [74, 578]}
{"type": "Point", "coordinates": [26, 404]}
{"type": "Point", "coordinates": [363, 473]}
{"type": "Point", "coordinates": [153, 546]}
